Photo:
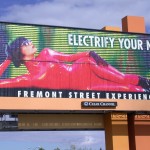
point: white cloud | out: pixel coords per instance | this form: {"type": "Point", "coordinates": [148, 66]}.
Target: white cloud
{"type": "Point", "coordinates": [88, 140]}
{"type": "Point", "coordinates": [76, 13]}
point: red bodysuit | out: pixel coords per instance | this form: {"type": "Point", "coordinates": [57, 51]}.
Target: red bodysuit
{"type": "Point", "coordinates": [50, 70]}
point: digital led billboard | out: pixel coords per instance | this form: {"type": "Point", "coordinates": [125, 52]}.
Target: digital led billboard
{"type": "Point", "coordinates": [62, 62]}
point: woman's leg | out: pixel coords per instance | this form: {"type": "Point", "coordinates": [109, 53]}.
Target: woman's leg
{"type": "Point", "coordinates": [111, 74]}
{"type": "Point", "coordinates": [113, 80]}
{"type": "Point", "coordinates": [108, 72]}
{"type": "Point", "coordinates": [114, 75]}
{"type": "Point", "coordinates": [99, 77]}
{"type": "Point", "coordinates": [118, 87]}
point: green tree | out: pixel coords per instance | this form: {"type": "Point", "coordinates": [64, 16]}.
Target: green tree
{"type": "Point", "coordinates": [41, 148]}
{"type": "Point", "coordinates": [57, 148]}
{"type": "Point", "coordinates": [72, 147]}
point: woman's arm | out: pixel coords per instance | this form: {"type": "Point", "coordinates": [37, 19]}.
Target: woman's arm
{"type": "Point", "coordinates": [51, 55]}
{"type": "Point", "coordinates": [63, 57]}
{"type": "Point", "coordinates": [20, 81]}
{"type": "Point", "coordinates": [4, 66]}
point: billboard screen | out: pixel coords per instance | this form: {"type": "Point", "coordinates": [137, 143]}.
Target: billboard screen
{"type": "Point", "coordinates": [62, 62]}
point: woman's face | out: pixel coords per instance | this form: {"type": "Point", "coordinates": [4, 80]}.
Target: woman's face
{"type": "Point", "coordinates": [28, 50]}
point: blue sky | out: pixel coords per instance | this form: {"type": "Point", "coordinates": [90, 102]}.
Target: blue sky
{"type": "Point", "coordinates": [49, 140]}
{"type": "Point", "coordinates": [93, 14]}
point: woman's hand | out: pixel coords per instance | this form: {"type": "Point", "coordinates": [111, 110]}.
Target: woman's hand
{"type": "Point", "coordinates": [97, 58]}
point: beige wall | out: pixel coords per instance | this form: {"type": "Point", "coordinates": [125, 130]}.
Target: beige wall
{"type": "Point", "coordinates": [60, 121]}
{"type": "Point", "coordinates": [142, 132]}
{"type": "Point", "coordinates": [27, 104]}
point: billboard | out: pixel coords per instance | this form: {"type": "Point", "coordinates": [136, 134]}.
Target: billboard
{"type": "Point", "coordinates": [62, 62]}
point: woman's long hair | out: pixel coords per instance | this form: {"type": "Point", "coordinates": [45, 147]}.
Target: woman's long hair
{"type": "Point", "coordinates": [13, 51]}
